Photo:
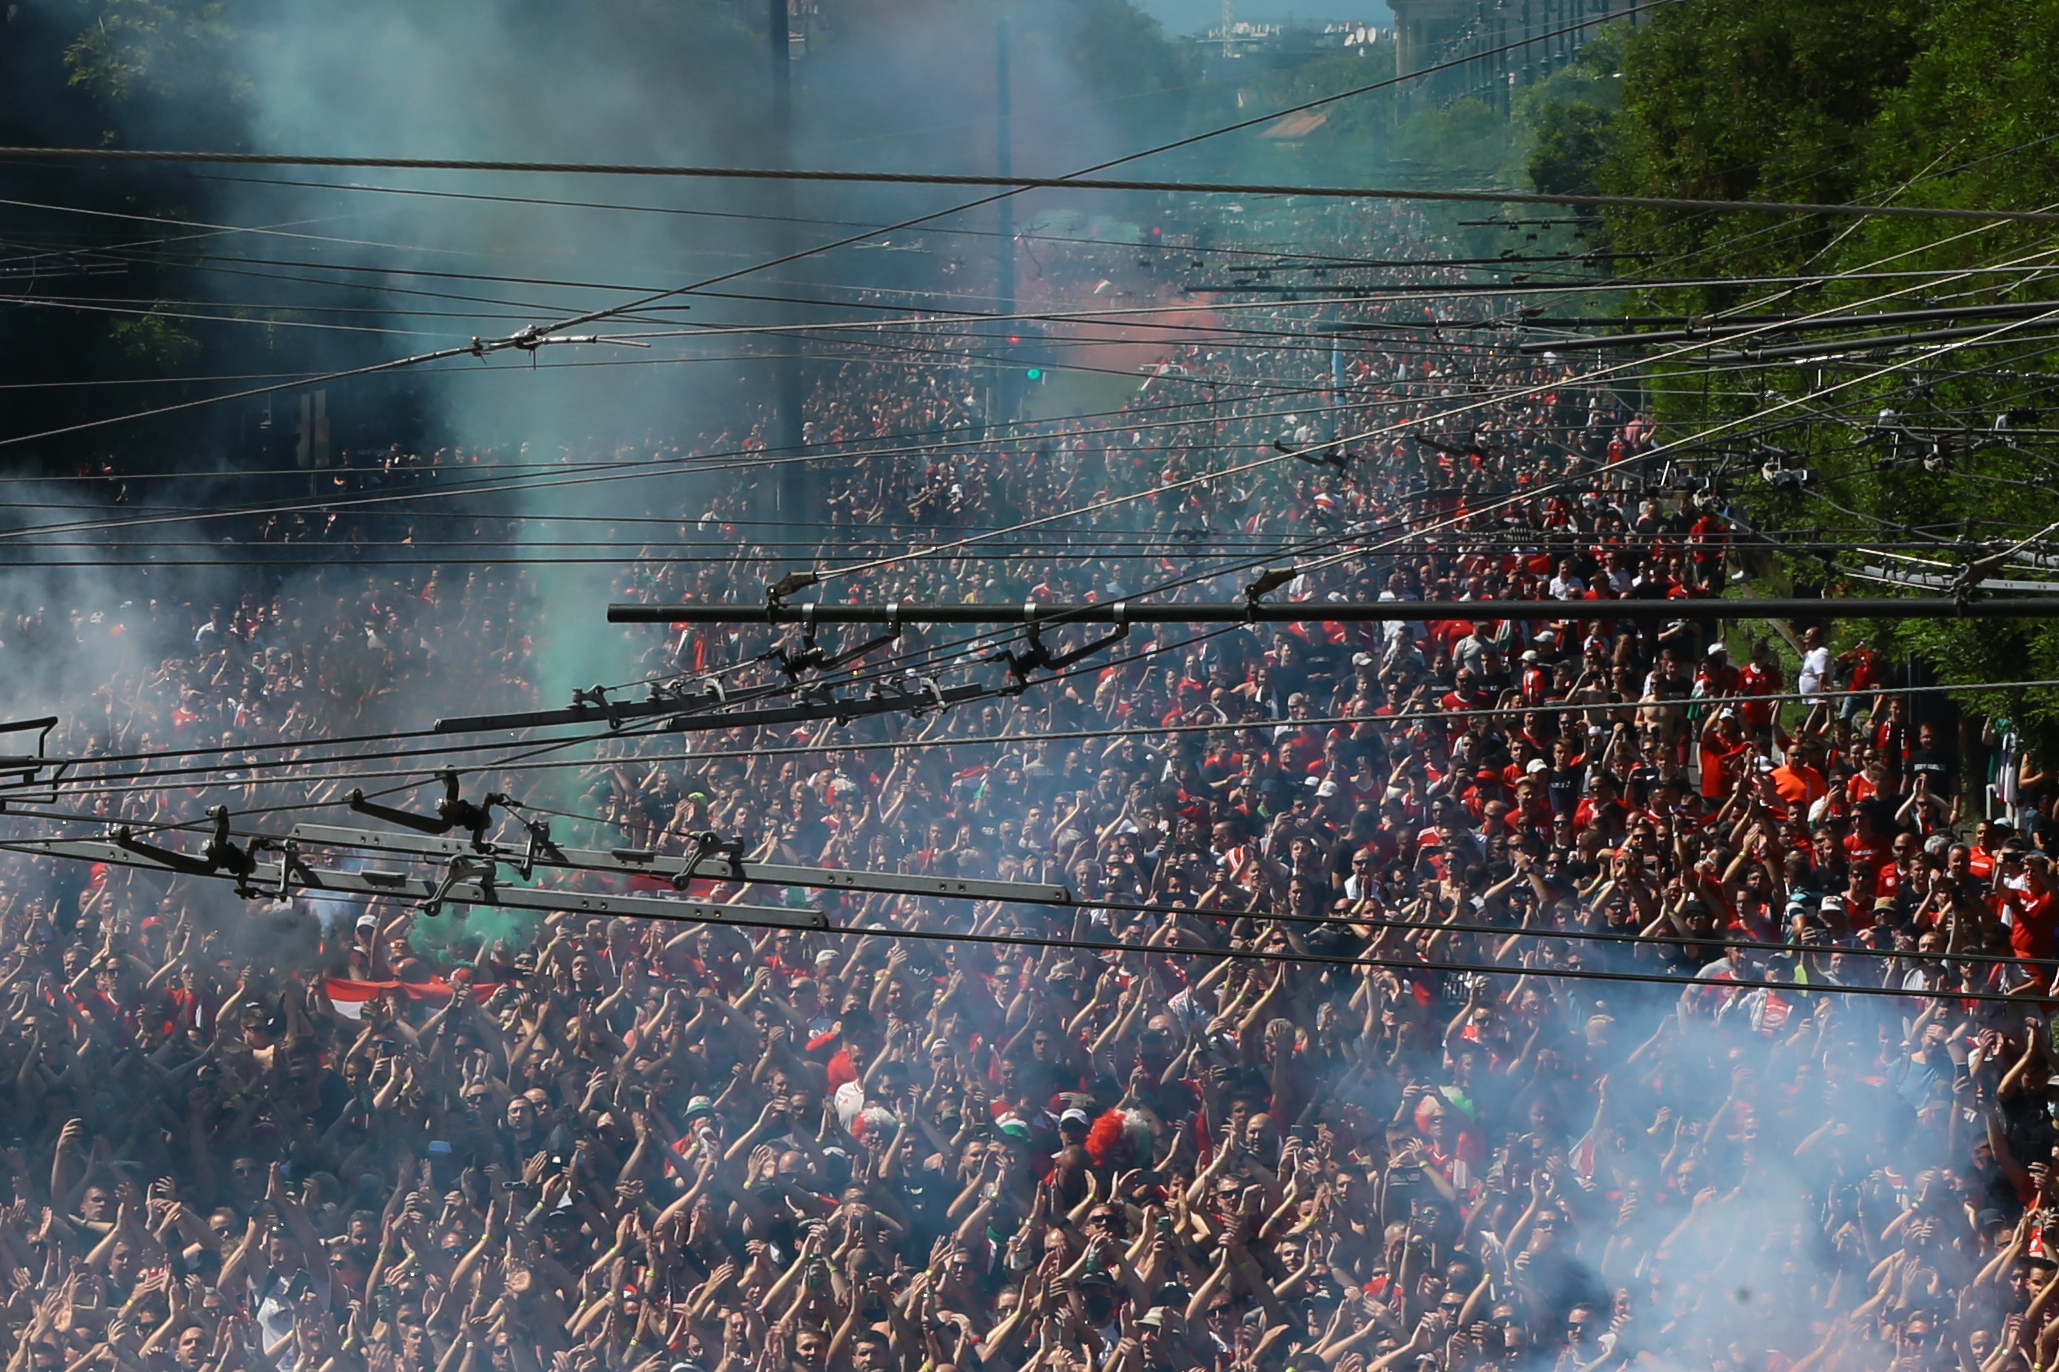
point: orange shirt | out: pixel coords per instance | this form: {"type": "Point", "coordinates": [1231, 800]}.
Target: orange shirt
{"type": "Point", "coordinates": [1799, 784]}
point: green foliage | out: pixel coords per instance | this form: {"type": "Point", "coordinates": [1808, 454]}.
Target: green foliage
{"type": "Point", "coordinates": [161, 51]}
{"type": "Point", "coordinates": [1572, 140]}
{"type": "Point", "coordinates": [154, 340]}
{"type": "Point", "coordinates": [1466, 143]}
{"type": "Point", "coordinates": [1570, 116]}
{"type": "Point", "coordinates": [1935, 102]}
{"type": "Point", "coordinates": [1754, 100]}
{"type": "Point", "coordinates": [1120, 52]}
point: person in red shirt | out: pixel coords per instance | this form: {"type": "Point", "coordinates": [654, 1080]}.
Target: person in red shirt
{"type": "Point", "coordinates": [1987, 839]}
{"type": "Point", "coordinates": [2033, 915]}
{"type": "Point", "coordinates": [1724, 750]}
{"type": "Point", "coordinates": [1536, 678]}
{"type": "Point", "coordinates": [1759, 677]}
{"type": "Point", "coordinates": [1718, 676]}
{"type": "Point", "coordinates": [1863, 671]}
{"type": "Point", "coordinates": [1464, 695]}
{"type": "Point", "coordinates": [1601, 805]}
{"type": "Point", "coordinates": [1866, 849]}
{"type": "Point", "coordinates": [1486, 789]}
{"type": "Point", "coordinates": [1891, 735]}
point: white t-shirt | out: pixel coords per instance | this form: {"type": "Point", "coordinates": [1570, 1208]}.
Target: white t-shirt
{"type": "Point", "coordinates": [1815, 674]}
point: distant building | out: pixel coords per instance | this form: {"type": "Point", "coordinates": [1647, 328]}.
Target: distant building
{"type": "Point", "coordinates": [1511, 43]}
{"type": "Point", "coordinates": [1245, 47]}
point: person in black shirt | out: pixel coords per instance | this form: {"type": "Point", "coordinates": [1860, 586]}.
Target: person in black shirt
{"type": "Point", "coordinates": [1939, 768]}
{"type": "Point", "coordinates": [1567, 778]}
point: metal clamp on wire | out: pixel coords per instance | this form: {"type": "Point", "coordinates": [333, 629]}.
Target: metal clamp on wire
{"type": "Point", "coordinates": [1041, 658]}
{"type": "Point", "coordinates": [707, 844]}
{"type": "Point", "coordinates": [811, 657]}
{"type": "Point", "coordinates": [778, 591]}
{"type": "Point", "coordinates": [814, 658]}
{"type": "Point", "coordinates": [1269, 580]}
{"type": "Point", "coordinates": [540, 847]}
{"type": "Point", "coordinates": [597, 697]}
{"type": "Point", "coordinates": [463, 867]}
{"type": "Point", "coordinates": [220, 855]}
{"type": "Point", "coordinates": [924, 695]}
{"type": "Point", "coordinates": [452, 812]}
{"type": "Point", "coordinates": [289, 860]}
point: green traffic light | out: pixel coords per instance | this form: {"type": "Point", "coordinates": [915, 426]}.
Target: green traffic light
{"type": "Point", "coordinates": [1035, 373]}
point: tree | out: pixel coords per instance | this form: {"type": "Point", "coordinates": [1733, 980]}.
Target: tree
{"type": "Point", "coordinates": [1570, 116]}
{"type": "Point", "coordinates": [1927, 102]}
{"type": "Point", "coordinates": [1753, 100]}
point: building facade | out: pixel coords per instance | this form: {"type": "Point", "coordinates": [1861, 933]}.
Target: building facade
{"type": "Point", "coordinates": [1484, 48]}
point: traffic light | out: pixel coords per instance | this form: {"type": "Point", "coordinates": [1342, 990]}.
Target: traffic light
{"type": "Point", "coordinates": [1034, 373]}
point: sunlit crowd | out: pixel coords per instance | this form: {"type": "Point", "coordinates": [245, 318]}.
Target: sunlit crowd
{"type": "Point", "coordinates": [1561, 992]}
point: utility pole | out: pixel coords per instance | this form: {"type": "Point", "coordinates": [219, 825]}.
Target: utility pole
{"type": "Point", "coordinates": [1006, 392]}
{"type": "Point", "coordinates": [797, 497]}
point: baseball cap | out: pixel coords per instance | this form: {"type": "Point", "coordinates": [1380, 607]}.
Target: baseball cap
{"type": "Point", "coordinates": [699, 1105]}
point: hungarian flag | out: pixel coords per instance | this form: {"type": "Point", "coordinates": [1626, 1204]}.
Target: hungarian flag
{"type": "Point", "coordinates": [349, 997]}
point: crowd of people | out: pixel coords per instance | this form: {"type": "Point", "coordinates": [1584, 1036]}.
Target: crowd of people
{"type": "Point", "coordinates": [1455, 993]}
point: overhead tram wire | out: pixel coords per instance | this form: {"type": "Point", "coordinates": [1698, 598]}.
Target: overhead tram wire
{"type": "Point", "coordinates": [1029, 235]}
{"type": "Point", "coordinates": [517, 761]}
{"type": "Point", "coordinates": [854, 883]}
{"type": "Point", "coordinates": [1342, 292]}
{"type": "Point", "coordinates": [612, 472]}
{"type": "Point", "coordinates": [634, 305]}
{"type": "Point", "coordinates": [1082, 181]}
{"type": "Point", "coordinates": [915, 442]}
{"type": "Point", "coordinates": [1502, 932]}
{"type": "Point", "coordinates": [1341, 440]}
{"type": "Point", "coordinates": [522, 760]}
{"type": "Point", "coordinates": [648, 470]}
{"type": "Point", "coordinates": [1127, 611]}
{"type": "Point", "coordinates": [1695, 983]}
{"type": "Point", "coordinates": [516, 764]}
{"type": "Point", "coordinates": [652, 731]}
{"type": "Point", "coordinates": [1795, 226]}
{"type": "Point", "coordinates": [1075, 177]}
{"type": "Point", "coordinates": [1158, 544]}
{"type": "Point", "coordinates": [547, 332]}
{"type": "Point", "coordinates": [927, 318]}
{"type": "Point", "coordinates": [642, 472]}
